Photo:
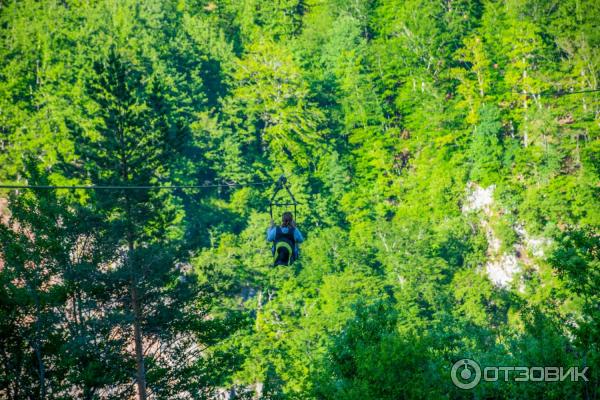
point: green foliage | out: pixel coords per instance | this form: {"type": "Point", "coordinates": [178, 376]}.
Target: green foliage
{"type": "Point", "coordinates": [486, 149]}
{"type": "Point", "coordinates": [421, 138]}
{"type": "Point", "coordinates": [371, 360]}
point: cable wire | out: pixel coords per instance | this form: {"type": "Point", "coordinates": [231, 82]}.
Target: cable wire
{"type": "Point", "coordinates": [132, 187]}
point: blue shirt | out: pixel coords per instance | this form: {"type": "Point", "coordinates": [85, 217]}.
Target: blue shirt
{"type": "Point", "coordinates": [271, 234]}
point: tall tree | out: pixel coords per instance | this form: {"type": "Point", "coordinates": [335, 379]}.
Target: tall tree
{"type": "Point", "coordinates": [130, 145]}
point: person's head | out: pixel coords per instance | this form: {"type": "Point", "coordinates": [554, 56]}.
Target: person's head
{"type": "Point", "coordinates": [287, 219]}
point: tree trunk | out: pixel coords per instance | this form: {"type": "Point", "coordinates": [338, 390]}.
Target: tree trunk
{"type": "Point", "coordinates": [137, 322]}
{"type": "Point", "coordinates": [133, 288]}
{"type": "Point", "coordinates": [139, 350]}
{"type": "Point", "coordinates": [38, 351]}
{"type": "Point", "coordinates": [137, 313]}
{"type": "Point", "coordinates": [525, 118]}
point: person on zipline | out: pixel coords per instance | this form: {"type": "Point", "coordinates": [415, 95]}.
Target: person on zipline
{"type": "Point", "coordinates": [285, 240]}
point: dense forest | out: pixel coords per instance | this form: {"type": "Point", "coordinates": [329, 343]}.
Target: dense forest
{"type": "Point", "coordinates": [445, 155]}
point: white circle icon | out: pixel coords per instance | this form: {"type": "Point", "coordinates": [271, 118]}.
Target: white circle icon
{"type": "Point", "coordinates": [468, 368]}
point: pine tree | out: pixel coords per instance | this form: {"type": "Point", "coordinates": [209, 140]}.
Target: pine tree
{"type": "Point", "coordinates": [130, 146]}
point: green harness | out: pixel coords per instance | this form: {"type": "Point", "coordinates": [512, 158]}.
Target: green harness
{"type": "Point", "coordinates": [284, 245]}
{"type": "Point", "coordinates": [284, 241]}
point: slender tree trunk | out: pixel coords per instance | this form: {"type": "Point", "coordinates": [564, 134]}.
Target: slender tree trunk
{"type": "Point", "coordinates": [525, 118]}
{"type": "Point", "coordinates": [139, 350]}
{"type": "Point", "coordinates": [137, 313]}
{"type": "Point", "coordinates": [38, 352]}
{"type": "Point", "coordinates": [137, 316]}
{"type": "Point", "coordinates": [133, 288]}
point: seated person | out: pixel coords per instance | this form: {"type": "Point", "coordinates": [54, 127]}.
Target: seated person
{"type": "Point", "coordinates": [285, 240]}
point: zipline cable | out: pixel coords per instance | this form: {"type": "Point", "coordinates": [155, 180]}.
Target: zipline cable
{"type": "Point", "coordinates": [132, 187]}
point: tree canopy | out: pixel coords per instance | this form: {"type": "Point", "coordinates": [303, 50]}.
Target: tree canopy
{"type": "Point", "coordinates": [445, 155]}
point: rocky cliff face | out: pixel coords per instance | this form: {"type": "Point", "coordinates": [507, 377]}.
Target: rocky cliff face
{"type": "Point", "coordinates": [503, 265]}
